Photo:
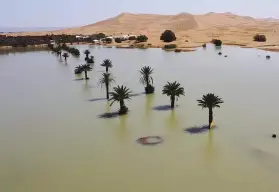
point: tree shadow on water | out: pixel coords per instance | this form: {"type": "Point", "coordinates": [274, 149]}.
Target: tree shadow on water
{"type": "Point", "coordinates": [199, 130]}
{"type": "Point", "coordinates": [79, 79]}
{"type": "Point", "coordinates": [97, 99]}
{"type": "Point", "coordinates": [137, 94]}
{"type": "Point", "coordinates": [163, 108]}
{"type": "Point", "coordinates": [109, 115]}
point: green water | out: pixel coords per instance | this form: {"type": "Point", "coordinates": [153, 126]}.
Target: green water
{"type": "Point", "coordinates": [51, 139]}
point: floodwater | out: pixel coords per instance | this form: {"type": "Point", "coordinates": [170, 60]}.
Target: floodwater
{"type": "Point", "coordinates": [52, 139]}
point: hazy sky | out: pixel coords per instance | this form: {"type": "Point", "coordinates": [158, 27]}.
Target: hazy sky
{"type": "Point", "coordinates": [64, 13]}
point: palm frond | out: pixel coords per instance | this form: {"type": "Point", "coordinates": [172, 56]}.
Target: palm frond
{"type": "Point", "coordinates": [173, 89]}
{"type": "Point", "coordinates": [106, 79]}
{"type": "Point", "coordinates": [120, 93]}
{"type": "Point", "coordinates": [146, 72]}
{"type": "Point", "coordinates": [107, 63]}
{"type": "Point", "coordinates": [210, 101]}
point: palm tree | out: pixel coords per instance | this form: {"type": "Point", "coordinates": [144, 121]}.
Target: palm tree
{"type": "Point", "coordinates": [59, 53]}
{"type": "Point", "coordinates": [65, 55]}
{"type": "Point", "coordinates": [106, 80]}
{"type": "Point", "coordinates": [86, 68]}
{"type": "Point", "coordinates": [91, 60]}
{"type": "Point", "coordinates": [107, 64]}
{"type": "Point", "coordinates": [173, 90]}
{"type": "Point", "coordinates": [86, 52]}
{"type": "Point", "coordinates": [210, 101]}
{"type": "Point", "coordinates": [79, 69]}
{"type": "Point", "coordinates": [146, 79]}
{"type": "Point", "coordinates": [120, 94]}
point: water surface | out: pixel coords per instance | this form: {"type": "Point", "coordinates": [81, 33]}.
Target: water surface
{"type": "Point", "coordinates": [51, 138]}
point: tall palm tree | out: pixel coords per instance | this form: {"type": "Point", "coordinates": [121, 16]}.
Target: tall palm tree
{"type": "Point", "coordinates": [173, 90]}
{"type": "Point", "coordinates": [107, 64]}
{"type": "Point", "coordinates": [210, 101]}
{"type": "Point", "coordinates": [120, 94]}
{"type": "Point", "coordinates": [65, 55]}
{"type": "Point", "coordinates": [106, 81]}
{"type": "Point", "coordinates": [146, 79]}
{"type": "Point", "coordinates": [86, 68]}
{"type": "Point", "coordinates": [86, 52]}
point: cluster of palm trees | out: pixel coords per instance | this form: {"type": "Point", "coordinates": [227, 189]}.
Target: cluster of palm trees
{"type": "Point", "coordinates": [172, 89]}
{"type": "Point", "coordinates": [88, 59]}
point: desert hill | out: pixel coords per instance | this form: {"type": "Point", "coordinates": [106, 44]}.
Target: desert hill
{"type": "Point", "coordinates": [195, 29]}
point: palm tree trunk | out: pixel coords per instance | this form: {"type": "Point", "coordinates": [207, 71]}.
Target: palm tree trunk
{"type": "Point", "coordinates": [106, 69]}
{"type": "Point", "coordinates": [172, 101]}
{"type": "Point", "coordinates": [85, 72]}
{"type": "Point", "coordinates": [107, 89]}
{"type": "Point", "coordinates": [210, 117]}
{"type": "Point", "coordinates": [147, 80]}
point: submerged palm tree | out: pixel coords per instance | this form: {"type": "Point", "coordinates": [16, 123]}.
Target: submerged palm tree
{"type": "Point", "coordinates": [86, 68]}
{"type": "Point", "coordinates": [210, 101]}
{"type": "Point", "coordinates": [86, 52]}
{"type": "Point", "coordinates": [106, 81]}
{"type": "Point", "coordinates": [65, 55]}
{"type": "Point", "coordinates": [91, 60]}
{"type": "Point", "coordinates": [107, 64]}
{"type": "Point", "coordinates": [173, 90]}
{"type": "Point", "coordinates": [146, 79]}
{"type": "Point", "coordinates": [120, 94]}
{"type": "Point", "coordinates": [59, 53]}
{"type": "Point", "coordinates": [78, 69]}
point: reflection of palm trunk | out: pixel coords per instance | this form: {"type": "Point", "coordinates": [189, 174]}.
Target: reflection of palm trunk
{"type": "Point", "coordinates": [210, 117]}
{"type": "Point", "coordinates": [107, 89]}
{"type": "Point", "coordinates": [172, 101]}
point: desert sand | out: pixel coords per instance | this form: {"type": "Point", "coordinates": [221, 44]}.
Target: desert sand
{"type": "Point", "coordinates": [191, 30]}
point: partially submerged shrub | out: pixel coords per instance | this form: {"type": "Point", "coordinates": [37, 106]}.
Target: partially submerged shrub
{"type": "Point", "coordinates": [170, 46]}
{"type": "Point", "coordinates": [168, 36]}
{"type": "Point", "coordinates": [217, 42]}
{"type": "Point", "coordinates": [260, 38]}
{"type": "Point", "coordinates": [142, 38]}
{"type": "Point", "coordinates": [177, 50]}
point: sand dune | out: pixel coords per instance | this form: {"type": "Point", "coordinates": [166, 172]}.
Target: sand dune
{"type": "Point", "coordinates": [191, 30]}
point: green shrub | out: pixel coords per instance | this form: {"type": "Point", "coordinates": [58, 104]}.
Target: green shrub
{"type": "Point", "coordinates": [217, 42]}
{"type": "Point", "coordinates": [142, 38]}
{"type": "Point", "coordinates": [170, 46]}
{"type": "Point", "coordinates": [118, 40]}
{"type": "Point", "coordinates": [108, 40]}
{"type": "Point", "coordinates": [168, 36]}
{"type": "Point", "coordinates": [260, 38]}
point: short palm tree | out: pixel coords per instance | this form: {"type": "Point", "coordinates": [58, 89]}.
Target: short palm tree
{"type": "Point", "coordinates": [107, 64]}
{"type": "Point", "coordinates": [91, 60]}
{"type": "Point", "coordinates": [86, 68]}
{"type": "Point", "coordinates": [86, 52]}
{"type": "Point", "coordinates": [146, 79]}
{"type": "Point", "coordinates": [65, 55]}
{"type": "Point", "coordinates": [173, 90]}
{"type": "Point", "coordinates": [106, 81]}
{"type": "Point", "coordinates": [210, 101]}
{"type": "Point", "coordinates": [120, 94]}
{"type": "Point", "coordinates": [79, 69]}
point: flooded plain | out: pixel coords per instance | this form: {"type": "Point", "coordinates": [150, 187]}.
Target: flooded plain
{"type": "Point", "coordinates": [52, 139]}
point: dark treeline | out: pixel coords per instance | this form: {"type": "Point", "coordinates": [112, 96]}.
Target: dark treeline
{"type": "Point", "coordinates": [24, 41]}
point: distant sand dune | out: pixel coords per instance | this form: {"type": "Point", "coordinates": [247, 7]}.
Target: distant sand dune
{"type": "Point", "coordinates": [190, 29]}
